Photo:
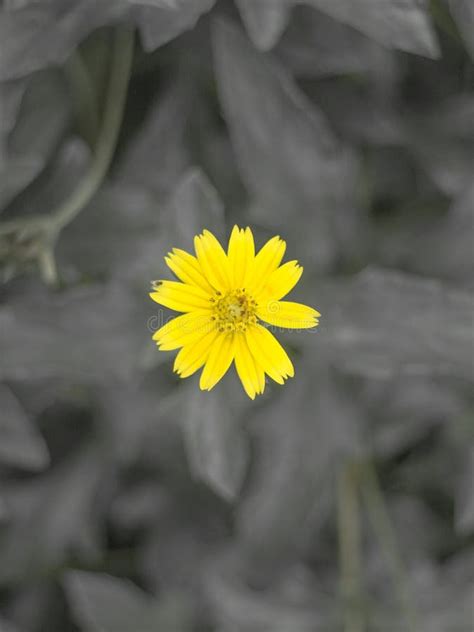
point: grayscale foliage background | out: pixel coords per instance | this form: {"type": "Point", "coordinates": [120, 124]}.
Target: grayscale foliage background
{"type": "Point", "coordinates": [129, 500]}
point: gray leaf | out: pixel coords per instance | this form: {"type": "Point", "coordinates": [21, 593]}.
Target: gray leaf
{"type": "Point", "coordinates": [11, 93]}
{"type": "Point", "coordinates": [102, 603]}
{"type": "Point", "coordinates": [465, 499]}
{"type": "Point", "coordinates": [194, 205]}
{"type": "Point", "coordinates": [442, 140]}
{"type": "Point", "coordinates": [158, 155]}
{"type": "Point", "coordinates": [239, 606]}
{"type": "Point", "coordinates": [6, 626]}
{"type": "Point", "coordinates": [316, 45]}
{"type": "Point", "coordinates": [42, 119]}
{"type": "Point", "coordinates": [86, 332]}
{"type": "Point", "coordinates": [4, 512]}
{"type": "Point", "coordinates": [290, 160]}
{"type": "Point", "coordinates": [215, 442]}
{"type": "Point", "coordinates": [265, 20]}
{"type": "Point", "coordinates": [463, 13]}
{"type": "Point", "coordinates": [57, 510]}
{"type": "Point", "coordinates": [427, 247]}
{"type": "Point", "coordinates": [21, 445]}
{"type": "Point", "coordinates": [406, 409]}
{"type": "Point", "coordinates": [384, 322]}
{"type": "Point", "coordinates": [48, 192]}
{"type": "Point", "coordinates": [432, 251]}
{"type": "Point", "coordinates": [158, 25]}
{"type": "Point", "coordinates": [42, 35]}
{"type": "Point", "coordinates": [116, 236]}
{"type": "Point", "coordinates": [305, 434]}
{"type": "Point", "coordinates": [45, 34]}
{"type": "Point", "coordinates": [401, 24]}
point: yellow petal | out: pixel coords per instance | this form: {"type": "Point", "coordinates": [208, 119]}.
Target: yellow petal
{"type": "Point", "coordinates": [261, 376]}
{"type": "Point", "coordinates": [241, 255]}
{"type": "Point", "coordinates": [213, 260]}
{"type": "Point", "coordinates": [287, 314]}
{"type": "Point", "coordinates": [192, 357]}
{"type": "Point", "coordinates": [282, 280]}
{"type": "Point", "coordinates": [180, 296]}
{"type": "Point", "coordinates": [183, 330]}
{"type": "Point", "coordinates": [269, 353]}
{"type": "Point", "coordinates": [249, 373]}
{"type": "Point", "coordinates": [187, 268]}
{"type": "Point", "coordinates": [219, 360]}
{"type": "Point", "coordinates": [267, 261]}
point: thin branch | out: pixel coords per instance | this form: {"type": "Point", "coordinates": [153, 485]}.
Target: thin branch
{"type": "Point", "coordinates": [83, 97]}
{"type": "Point", "coordinates": [350, 548]}
{"type": "Point", "coordinates": [115, 103]}
{"type": "Point", "coordinates": [383, 527]}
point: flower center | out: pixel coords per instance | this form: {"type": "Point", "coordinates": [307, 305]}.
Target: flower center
{"type": "Point", "coordinates": [234, 311]}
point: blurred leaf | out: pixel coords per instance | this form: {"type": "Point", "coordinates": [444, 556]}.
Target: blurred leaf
{"type": "Point", "coordinates": [158, 155]}
{"type": "Point", "coordinates": [116, 236]}
{"type": "Point", "coordinates": [316, 45]}
{"type": "Point", "coordinates": [194, 205]}
{"type": "Point", "coordinates": [426, 247]}
{"type": "Point", "coordinates": [82, 333]}
{"type": "Point", "coordinates": [102, 603]}
{"type": "Point", "coordinates": [11, 93]}
{"type": "Point", "coordinates": [445, 594]}
{"type": "Point", "coordinates": [44, 34]}
{"type": "Point", "coordinates": [359, 116]}
{"type": "Point", "coordinates": [21, 445]}
{"type": "Point", "coordinates": [39, 35]}
{"type": "Point", "coordinates": [237, 605]}
{"type": "Point", "coordinates": [402, 24]}
{"type": "Point", "coordinates": [56, 182]}
{"type": "Point", "coordinates": [42, 120]}
{"type": "Point", "coordinates": [406, 409]}
{"type": "Point", "coordinates": [137, 505]}
{"type": "Point", "coordinates": [384, 323]}
{"type": "Point", "coordinates": [216, 442]}
{"type": "Point", "coordinates": [442, 139]}
{"type": "Point", "coordinates": [465, 499]}
{"type": "Point", "coordinates": [301, 179]}
{"type": "Point", "coordinates": [265, 20]}
{"type": "Point", "coordinates": [4, 512]}
{"type": "Point", "coordinates": [443, 597]}
{"type": "Point", "coordinates": [437, 256]}
{"type": "Point", "coordinates": [463, 13]}
{"type": "Point", "coordinates": [129, 409]}
{"type": "Point", "coordinates": [304, 434]}
{"type": "Point", "coordinates": [50, 518]}
{"type": "Point", "coordinates": [160, 24]}
{"type": "Point", "coordinates": [6, 626]}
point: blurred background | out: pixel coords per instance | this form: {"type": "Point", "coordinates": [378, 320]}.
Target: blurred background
{"type": "Point", "coordinates": [130, 501]}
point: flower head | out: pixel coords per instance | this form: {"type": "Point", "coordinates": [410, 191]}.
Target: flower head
{"type": "Point", "coordinates": [225, 297]}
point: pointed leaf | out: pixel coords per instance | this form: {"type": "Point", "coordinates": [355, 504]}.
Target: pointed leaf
{"type": "Point", "coordinates": [21, 445]}
{"type": "Point", "coordinates": [215, 442]}
{"type": "Point", "coordinates": [265, 20]}
{"type": "Point", "coordinates": [402, 24]}
{"type": "Point", "coordinates": [297, 172]}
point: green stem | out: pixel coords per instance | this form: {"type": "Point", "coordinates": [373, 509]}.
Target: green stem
{"type": "Point", "coordinates": [350, 548]}
{"type": "Point", "coordinates": [383, 527]}
{"type": "Point", "coordinates": [83, 97]}
{"type": "Point", "coordinates": [51, 224]}
{"type": "Point", "coordinates": [115, 102]}
{"type": "Point", "coordinates": [444, 21]}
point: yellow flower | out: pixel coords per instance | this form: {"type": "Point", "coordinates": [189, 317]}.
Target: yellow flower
{"type": "Point", "coordinates": [224, 297]}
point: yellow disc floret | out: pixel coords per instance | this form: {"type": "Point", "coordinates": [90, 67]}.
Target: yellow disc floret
{"type": "Point", "coordinates": [234, 310]}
